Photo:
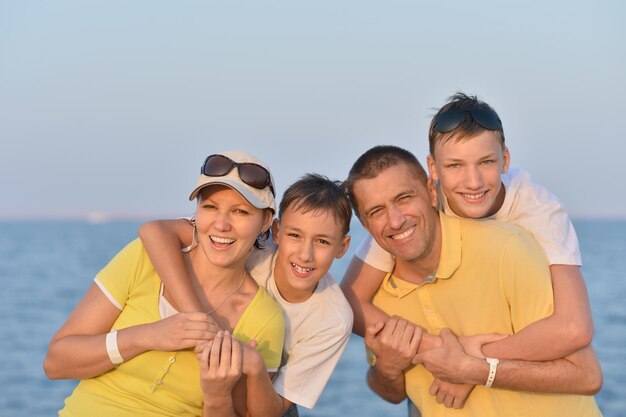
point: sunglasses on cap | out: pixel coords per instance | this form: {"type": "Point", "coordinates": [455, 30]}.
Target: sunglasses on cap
{"type": "Point", "coordinates": [250, 173]}
{"type": "Point", "coordinates": [451, 119]}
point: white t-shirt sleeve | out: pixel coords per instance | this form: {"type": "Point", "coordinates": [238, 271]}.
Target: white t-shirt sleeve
{"type": "Point", "coordinates": [535, 209]}
{"type": "Point", "coordinates": [311, 362]}
{"type": "Point", "coordinates": [372, 254]}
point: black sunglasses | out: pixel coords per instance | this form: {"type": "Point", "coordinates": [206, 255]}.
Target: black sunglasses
{"type": "Point", "coordinates": [451, 119]}
{"type": "Point", "coordinates": [250, 173]}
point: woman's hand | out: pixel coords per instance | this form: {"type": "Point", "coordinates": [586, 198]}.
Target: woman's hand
{"type": "Point", "coordinates": [182, 331]}
{"type": "Point", "coordinates": [221, 366]}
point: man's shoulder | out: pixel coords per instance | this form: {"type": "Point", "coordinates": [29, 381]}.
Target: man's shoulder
{"type": "Point", "coordinates": [483, 237]}
{"type": "Point", "coordinates": [499, 228]}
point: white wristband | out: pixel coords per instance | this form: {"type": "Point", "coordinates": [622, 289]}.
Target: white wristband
{"type": "Point", "coordinates": [493, 367]}
{"type": "Point", "coordinates": [112, 349]}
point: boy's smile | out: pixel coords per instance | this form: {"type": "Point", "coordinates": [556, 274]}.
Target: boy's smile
{"type": "Point", "coordinates": [469, 172]}
{"type": "Point", "coordinates": [308, 243]}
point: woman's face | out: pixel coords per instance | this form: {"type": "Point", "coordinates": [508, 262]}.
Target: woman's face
{"type": "Point", "coordinates": [228, 225]}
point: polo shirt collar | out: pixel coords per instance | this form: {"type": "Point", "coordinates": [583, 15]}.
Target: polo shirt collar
{"type": "Point", "coordinates": [449, 262]}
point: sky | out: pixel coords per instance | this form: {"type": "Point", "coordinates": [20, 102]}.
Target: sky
{"type": "Point", "coordinates": [108, 108]}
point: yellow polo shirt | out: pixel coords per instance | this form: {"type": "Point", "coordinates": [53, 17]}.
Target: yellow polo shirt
{"type": "Point", "coordinates": [492, 278]}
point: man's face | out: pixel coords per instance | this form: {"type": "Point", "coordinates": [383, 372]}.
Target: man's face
{"type": "Point", "coordinates": [469, 173]}
{"type": "Point", "coordinates": [397, 209]}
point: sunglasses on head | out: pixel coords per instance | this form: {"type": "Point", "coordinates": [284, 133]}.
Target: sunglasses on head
{"type": "Point", "coordinates": [451, 119]}
{"type": "Point", "coordinates": [250, 173]}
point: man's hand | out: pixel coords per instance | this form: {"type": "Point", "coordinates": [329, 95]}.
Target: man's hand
{"type": "Point", "coordinates": [394, 343]}
{"type": "Point", "coordinates": [449, 362]}
{"type": "Point", "coordinates": [449, 394]}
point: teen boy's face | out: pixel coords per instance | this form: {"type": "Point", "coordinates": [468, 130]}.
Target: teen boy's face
{"type": "Point", "coordinates": [469, 173]}
{"type": "Point", "coordinates": [308, 243]}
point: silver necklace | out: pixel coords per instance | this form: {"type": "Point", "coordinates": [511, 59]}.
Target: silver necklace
{"type": "Point", "coordinates": [229, 295]}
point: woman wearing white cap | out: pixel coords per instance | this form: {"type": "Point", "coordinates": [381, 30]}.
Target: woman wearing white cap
{"type": "Point", "coordinates": [132, 349]}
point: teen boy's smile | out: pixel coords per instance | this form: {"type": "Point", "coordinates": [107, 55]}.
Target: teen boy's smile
{"type": "Point", "coordinates": [307, 245]}
{"type": "Point", "coordinates": [469, 172]}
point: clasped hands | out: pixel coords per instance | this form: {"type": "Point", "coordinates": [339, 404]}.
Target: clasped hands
{"type": "Point", "coordinates": [396, 342]}
{"type": "Point", "coordinates": [223, 359]}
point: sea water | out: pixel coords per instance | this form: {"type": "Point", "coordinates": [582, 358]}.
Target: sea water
{"type": "Point", "coordinates": [46, 266]}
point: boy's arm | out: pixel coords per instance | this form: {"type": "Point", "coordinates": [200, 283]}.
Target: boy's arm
{"type": "Point", "coordinates": [262, 398]}
{"type": "Point", "coordinates": [163, 240]}
{"type": "Point", "coordinates": [567, 330]}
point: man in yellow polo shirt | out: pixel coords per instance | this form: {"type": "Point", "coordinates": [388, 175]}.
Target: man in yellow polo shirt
{"type": "Point", "coordinates": [472, 277]}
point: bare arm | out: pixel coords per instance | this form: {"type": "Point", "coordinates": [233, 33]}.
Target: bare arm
{"type": "Point", "coordinates": [163, 240]}
{"type": "Point", "coordinates": [78, 349]}
{"type": "Point", "coordinates": [359, 284]}
{"type": "Point", "coordinates": [567, 330]}
{"type": "Point", "coordinates": [578, 373]}
{"type": "Point", "coordinates": [262, 398]}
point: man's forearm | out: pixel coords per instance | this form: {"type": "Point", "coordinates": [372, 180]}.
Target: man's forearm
{"type": "Point", "coordinates": [389, 388]}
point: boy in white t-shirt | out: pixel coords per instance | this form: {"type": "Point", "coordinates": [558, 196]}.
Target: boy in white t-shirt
{"type": "Point", "coordinates": [311, 231]}
{"type": "Point", "coordinates": [469, 165]}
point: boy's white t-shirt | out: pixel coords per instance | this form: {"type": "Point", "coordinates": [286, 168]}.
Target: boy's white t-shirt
{"type": "Point", "coordinates": [316, 331]}
{"type": "Point", "coordinates": [527, 205]}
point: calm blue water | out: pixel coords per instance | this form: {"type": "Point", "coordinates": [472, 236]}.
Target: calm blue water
{"type": "Point", "coordinates": [45, 267]}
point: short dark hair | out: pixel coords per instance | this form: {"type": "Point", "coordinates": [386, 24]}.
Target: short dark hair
{"type": "Point", "coordinates": [314, 192]}
{"type": "Point", "coordinates": [376, 160]}
{"type": "Point", "coordinates": [468, 128]}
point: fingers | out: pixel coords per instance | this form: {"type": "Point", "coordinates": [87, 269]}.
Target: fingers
{"type": "Point", "coordinates": [236, 355]}
{"type": "Point", "coordinates": [214, 356]}
{"type": "Point", "coordinates": [416, 339]}
{"type": "Point", "coordinates": [434, 388]}
{"type": "Point", "coordinates": [203, 358]}
{"type": "Point", "coordinates": [226, 353]}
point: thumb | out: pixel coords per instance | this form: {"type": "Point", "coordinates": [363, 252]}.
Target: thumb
{"type": "Point", "coordinates": [373, 329]}
{"type": "Point", "coordinates": [447, 336]}
{"type": "Point", "coordinates": [484, 339]}
{"type": "Point", "coordinates": [252, 343]}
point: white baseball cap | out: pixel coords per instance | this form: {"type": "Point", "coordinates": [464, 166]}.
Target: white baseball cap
{"type": "Point", "coordinates": [227, 168]}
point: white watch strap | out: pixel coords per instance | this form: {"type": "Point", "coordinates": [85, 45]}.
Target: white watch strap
{"type": "Point", "coordinates": [112, 349]}
{"type": "Point", "coordinates": [493, 367]}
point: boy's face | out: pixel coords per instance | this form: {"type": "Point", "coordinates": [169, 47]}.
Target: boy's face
{"type": "Point", "coordinates": [469, 173]}
{"type": "Point", "coordinates": [308, 243]}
